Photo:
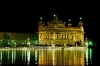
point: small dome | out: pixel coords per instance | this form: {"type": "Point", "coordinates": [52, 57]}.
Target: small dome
{"type": "Point", "coordinates": [80, 23]}
{"type": "Point", "coordinates": [69, 24]}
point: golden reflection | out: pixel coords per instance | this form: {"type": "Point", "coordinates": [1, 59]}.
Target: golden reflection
{"type": "Point", "coordinates": [72, 56]}
{"type": "Point", "coordinates": [61, 57]}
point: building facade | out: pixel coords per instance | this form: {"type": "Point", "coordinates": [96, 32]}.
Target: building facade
{"type": "Point", "coordinates": [56, 32]}
{"type": "Point", "coordinates": [18, 38]}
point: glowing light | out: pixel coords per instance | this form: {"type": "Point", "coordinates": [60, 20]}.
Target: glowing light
{"type": "Point", "coordinates": [65, 45]}
{"type": "Point", "coordinates": [90, 53]}
{"type": "Point", "coordinates": [36, 42]}
{"type": "Point", "coordinates": [42, 55]}
{"type": "Point", "coordinates": [53, 56]}
{"type": "Point", "coordinates": [87, 56]}
{"type": "Point", "coordinates": [86, 44]}
{"type": "Point", "coordinates": [25, 56]}
{"type": "Point", "coordinates": [90, 43]}
{"type": "Point", "coordinates": [69, 20]}
{"type": "Point", "coordinates": [28, 57]}
{"type": "Point", "coordinates": [41, 18]}
{"type": "Point", "coordinates": [0, 57]}
{"type": "Point", "coordinates": [80, 18]}
{"type": "Point", "coordinates": [36, 56]}
{"type": "Point", "coordinates": [54, 15]}
{"type": "Point", "coordinates": [12, 57]}
{"type": "Point", "coordinates": [28, 39]}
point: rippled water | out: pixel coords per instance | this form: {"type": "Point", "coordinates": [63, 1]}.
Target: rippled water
{"type": "Point", "coordinates": [46, 56]}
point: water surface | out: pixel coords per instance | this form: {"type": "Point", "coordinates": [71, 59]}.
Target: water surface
{"type": "Point", "coordinates": [47, 56]}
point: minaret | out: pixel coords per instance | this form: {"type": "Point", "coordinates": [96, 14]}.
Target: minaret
{"type": "Point", "coordinates": [41, 23]}
{"type": "Point", "coordinates": [80, 23]}
{"type": "Point", "coordinates": [82, 31]}
{"type": "Point", "coordinates": [69, 24]}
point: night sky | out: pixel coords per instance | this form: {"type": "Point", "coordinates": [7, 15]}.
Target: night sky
{"type": "Point", "coordinates": [23, 16]}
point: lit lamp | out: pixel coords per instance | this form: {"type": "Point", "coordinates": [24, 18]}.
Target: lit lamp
{"type": "Point", "coordinates": [41, 18]}
{"type": "Point", "coordinates": [55, 16]}
{"type": "Point", "coordinates": [64, 44]}
{"type": "Point", "coordinates": [69, 23]}
{"type": "Point", "coordinates": [80, 18]}
{"type": "Point", "coordinates": [86, 42]}
{"type": "Point", "coordinates": [69, 20]}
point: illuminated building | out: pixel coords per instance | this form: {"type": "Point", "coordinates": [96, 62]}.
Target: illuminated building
{"type": "Point", "coordinates": [56, 32]}
{"type": "Point", "coordinates": [18, 38]}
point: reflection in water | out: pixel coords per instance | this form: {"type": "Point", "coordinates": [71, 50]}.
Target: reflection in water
{"type": "Point", "coordinates": [90, 52]}
{"type": "Point", "coordinates": [0, 57]}
{"type": "Point", "coordinates": [36, 56]}
{"type": "Point", "coordinates": [61, 57]}
{"type": "Point", "coordinates": [24, 56]}
{"type": "Point", "coordinates": [13, 56]}
{"type": "Point", "coordinates": [8, 54]}
{"type": "Point", "coordinates": [28, 57]}
{"type": "Point", "coordinates": [87, 56]}
{"type": "Point", "coordinates": [47, 57]}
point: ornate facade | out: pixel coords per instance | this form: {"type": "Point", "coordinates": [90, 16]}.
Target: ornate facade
{"type": "Point", "coordinates": [56, 32]}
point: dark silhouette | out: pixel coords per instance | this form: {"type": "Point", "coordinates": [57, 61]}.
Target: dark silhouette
{"type": "Point", "coordinates": [6, 36]}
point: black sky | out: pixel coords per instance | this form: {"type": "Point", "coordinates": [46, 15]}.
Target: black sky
{"type": "Point", "coordinates": [23, 16]}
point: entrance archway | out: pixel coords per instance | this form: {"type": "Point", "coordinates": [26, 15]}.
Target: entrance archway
{"type": "Point", "coordinates": [77, 43]}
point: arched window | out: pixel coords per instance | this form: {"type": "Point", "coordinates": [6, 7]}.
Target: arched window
{"type": "Point", "coordinates": [72, 36]}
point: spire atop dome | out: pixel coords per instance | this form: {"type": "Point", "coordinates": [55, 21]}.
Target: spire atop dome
{"type": "Point", "coordinates": [55, 16]}
{"type": "Point", "coordinates": [69, 20]}
{"type": "Point", "coordinates": [41, 18]}
{"type": "Point", "coordinates": [69, 24]}
{"type": "Point", "coordinates": [80, 18]}
{"type": "Point", "coordinates": [80, 22]}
